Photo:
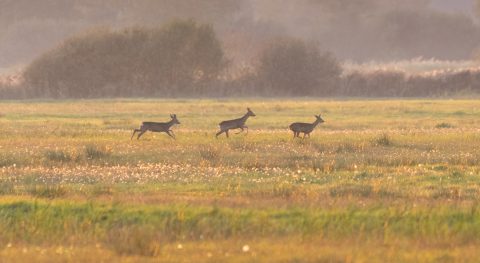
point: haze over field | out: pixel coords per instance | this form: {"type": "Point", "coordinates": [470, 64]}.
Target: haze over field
{"type": "Point", "coordinates": [359, 31]}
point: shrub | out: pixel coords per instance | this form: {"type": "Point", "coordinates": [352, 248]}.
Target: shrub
{"type": "Point", "coordinates": [175, 59]}
{"type": "Point", "coordinates": [292, 67]}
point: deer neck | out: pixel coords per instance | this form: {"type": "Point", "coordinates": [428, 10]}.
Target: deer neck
{"type": "Point", "coordinates": [315, 123]}
{"type": "Point", "coordinates": [170, 123]}
{"type": "Point", "coordinates": [245, 117]}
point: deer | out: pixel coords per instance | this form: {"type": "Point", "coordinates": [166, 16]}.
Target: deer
{"type": "Point", "coordinates": [306, 128]}
{"type": "Point", "coordinates": [157, 127]}
{"type": "Point", "coordinates": [235, 124]}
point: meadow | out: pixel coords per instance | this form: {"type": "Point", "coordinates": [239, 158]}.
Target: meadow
{"type": "Point", "coordinates": [379, 181]}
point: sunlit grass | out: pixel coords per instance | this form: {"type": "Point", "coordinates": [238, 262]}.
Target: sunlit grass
{"type": "Point", "coordinates": [391, 176]}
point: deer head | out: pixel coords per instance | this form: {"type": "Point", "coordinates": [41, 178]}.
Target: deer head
{"type": "Point", "coordinates": [250, 112]}
{"type": "Point", "coordinates": [319, 119]}
{"type": "Point", "coordinates": [174, 118]}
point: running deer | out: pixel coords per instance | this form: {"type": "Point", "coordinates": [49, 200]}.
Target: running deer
{"type": "Point", "coordinates": [306, 128]}
{"type": "Point", "coordinates": [235, 124]}
{"type": "Point", "coordinates": [157, 127]}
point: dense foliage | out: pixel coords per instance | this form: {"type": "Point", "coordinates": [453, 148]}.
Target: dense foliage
{"type": "Point", "coordinates": [292, 67]}
{"type": "Point", "coordinates": [172, 60]}
{"type": "Point", "coordinates": [186, 59]}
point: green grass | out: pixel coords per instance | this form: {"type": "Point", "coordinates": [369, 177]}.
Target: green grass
{"type": "Point", "coordinates": [379, 181]}
{"type": "Point", "coordinates": [57, 222]}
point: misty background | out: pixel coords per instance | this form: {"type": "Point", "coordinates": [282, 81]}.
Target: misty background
{"type": "Point", "coordinates": [368, 44]}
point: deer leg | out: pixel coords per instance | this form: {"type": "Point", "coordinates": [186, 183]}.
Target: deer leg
{"type": "Point", "coordinates": [134, 131]}
{"type": "Point", "coordinates": [246, 127]}
{"type": "Point", "coordinates": [140, 134]}
{"type": "Point", "coordinates": [304, 135]}
{"type": "Point", "coordinates": [172, 133]}
{"type": "Point", "coordinates": [241, 130]}
{"type": "Point", "coordinates": [218, 133]}
{"type": "Point", "coordinates": [169, 134]}
{"type": "Point", "coordinates": [226, 132]}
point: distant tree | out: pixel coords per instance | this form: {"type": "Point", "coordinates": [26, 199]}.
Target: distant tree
{"type": "Point", "coordinates": [354, 84]}
{"type": "Point", "coordinates": [292, 67]}
{"type": "Point", "coordinates": [424, 86]}
{"type": "Point", "coordinates": [177, 59]}
{"type": "Point", "coordinates": [184, 58]}
{"type": "Point", "coordinates": [385, 84]}
{"type": "Point", "coordinates": [181, 57]}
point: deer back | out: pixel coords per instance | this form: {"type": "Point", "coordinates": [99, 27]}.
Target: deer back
{"type": "Point", "coordinates": [301, 127]}
{"type": "Point", "coordinates": [156, 126]}
{"type": "Point", "coordinates": [232, 124]}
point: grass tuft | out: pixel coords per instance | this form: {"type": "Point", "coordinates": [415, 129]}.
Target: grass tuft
{"type": "Point", "coordinates": [93, 152]}
{"type": "Point", "coordinates": [7, 188]}
{"type": "Point", "coordinates": [47, 191]}
{"type": "Point", "coordinates": [57, 156]}
{"type": "Point", "coordinates": [133, 240]}
{"type": "Point", "coordinates": [444, 125]}
{"type": "Point", "coordinates": [383, 140]}
{"type": "Point", "coordinates": [210, 153]}
{"type": "Point", "coordinates": [350, 190]}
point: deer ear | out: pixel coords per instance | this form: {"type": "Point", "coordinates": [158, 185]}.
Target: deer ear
{"type": "Point", "coordinates": [248, 109]}
{"type": "Point", "coordinates": [171, 115]}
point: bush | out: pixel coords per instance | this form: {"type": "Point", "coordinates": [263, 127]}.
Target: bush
{"type": "Point", "coordinates": [184, 58]}
{"type": "Point", "coordinates": [177, 59]}
{"type": "Point", "coordinates": [292, 67]}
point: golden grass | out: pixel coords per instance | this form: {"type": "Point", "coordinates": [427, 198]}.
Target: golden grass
{"type": "Point", "coordinates": [409, 168]}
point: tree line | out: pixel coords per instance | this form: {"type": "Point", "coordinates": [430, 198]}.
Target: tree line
{"type": "Point", "coordinates": [186, 59]}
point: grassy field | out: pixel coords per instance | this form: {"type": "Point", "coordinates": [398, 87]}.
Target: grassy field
{"type": "Point", "coordinates": [379, 181]}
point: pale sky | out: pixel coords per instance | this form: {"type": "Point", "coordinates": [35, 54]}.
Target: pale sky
{"type": "Point", "coordinates": [454, 5]}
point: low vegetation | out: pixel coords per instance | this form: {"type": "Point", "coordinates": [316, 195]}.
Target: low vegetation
{"type": "Point", "coordinates": [378, 181]}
